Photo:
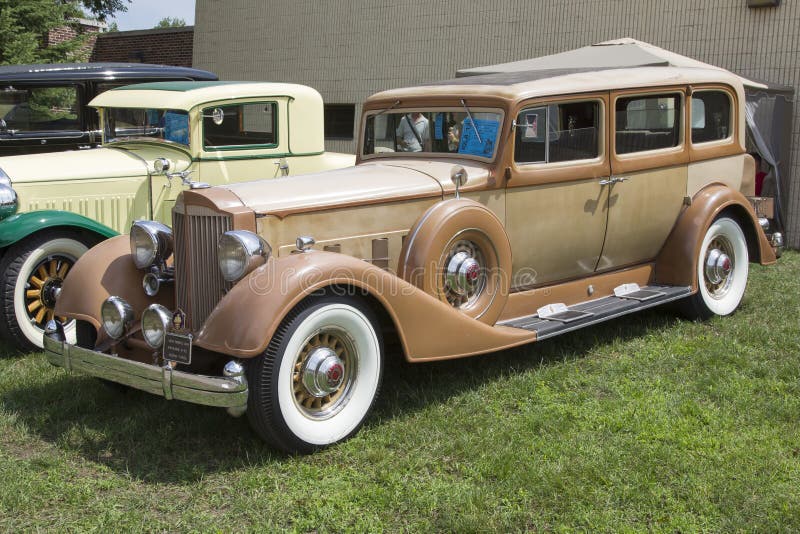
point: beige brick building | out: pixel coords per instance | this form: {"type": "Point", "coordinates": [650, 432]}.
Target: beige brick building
{"type": "Point", "coordinates": [349, 49]}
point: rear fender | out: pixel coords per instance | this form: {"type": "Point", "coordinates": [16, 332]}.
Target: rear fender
{"type": "Point", "coordinates": [245, 319]}
{"type": "Point", "coordinates": [676, 262]}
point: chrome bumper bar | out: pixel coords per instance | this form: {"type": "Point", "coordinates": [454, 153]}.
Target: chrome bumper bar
{"type": "Point", "coordinates": [229, 391]}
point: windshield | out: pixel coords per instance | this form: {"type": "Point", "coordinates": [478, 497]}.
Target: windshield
{"type": "Point", "coordinates": [433, 132]}
{"type": "Point", "coordinates": [164, 124]}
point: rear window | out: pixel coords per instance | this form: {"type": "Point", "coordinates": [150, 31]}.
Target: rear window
{"type": "Point", "coordinates": [648, 122]}
{"type": "Point", "coordinates": [711, 116]}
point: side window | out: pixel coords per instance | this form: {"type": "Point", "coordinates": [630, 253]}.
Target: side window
{"type": "Point", "coordinates": [711, 116]}
{"type": "Point", "coordinates": [38, 109]}
{"type": "Point", "coordinates": [647, 123]}
{"type": "Point", "coordinates": [558, 132]}
{"type": "Point", "coordinates": [242, 126]}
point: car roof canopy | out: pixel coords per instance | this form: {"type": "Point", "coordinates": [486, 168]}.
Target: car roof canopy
{"type": "Point", "coordinates": [614, 54]}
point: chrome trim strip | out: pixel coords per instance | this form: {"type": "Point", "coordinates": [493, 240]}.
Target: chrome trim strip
{"type": "Point", "coordinates": [223, 392]}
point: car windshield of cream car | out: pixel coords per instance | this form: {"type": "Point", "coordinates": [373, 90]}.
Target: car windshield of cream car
{"type": "Point", "coordinates": [153, 124]}
{"type": "Point", "coordinates": [460, 131]}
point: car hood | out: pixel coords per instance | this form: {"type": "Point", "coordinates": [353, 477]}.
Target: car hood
{"type": "Point", "coordinates": [363, 184]}
{"type": "Point", "coordinates": [106, 162]}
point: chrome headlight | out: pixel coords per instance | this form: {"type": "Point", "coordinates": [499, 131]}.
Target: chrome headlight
{"type": "Point", "coordinates": [239, 252]}
{"type": "Point", "coordinates": [8, 197]}
{"type": "Point", "coordinates": [117, 316]}
{"type": "Point", "coordinates": [155, 320]}
{"type": "Point", "coordinates": [151, 243]}
{"type": "Point", "coordinates": [8, 202]}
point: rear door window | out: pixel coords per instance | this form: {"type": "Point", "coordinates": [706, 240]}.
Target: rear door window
{"type": "Point", "coordinates": [647, 122]}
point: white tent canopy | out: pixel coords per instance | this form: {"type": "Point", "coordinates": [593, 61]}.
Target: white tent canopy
{"type": "Point", "coordinates": [619, 53]}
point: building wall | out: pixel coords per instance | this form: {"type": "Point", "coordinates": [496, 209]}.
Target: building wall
{"type": "Point", "coordinates": [90, 29]}
{"type": "Point", "coordinates": [167, 46]}
{"type": "Point", "coordinates": [350, 49]}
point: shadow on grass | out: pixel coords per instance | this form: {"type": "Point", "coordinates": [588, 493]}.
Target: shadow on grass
{"type": "Point", "coordinates": [153, 440]}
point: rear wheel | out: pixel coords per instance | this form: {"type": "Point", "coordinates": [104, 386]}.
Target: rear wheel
{"type": "Point", "coordinates": [33, 271]}
{"type": "Point", "coordinates": [319, 377]}
{"type": "Point", "coordinates": [722, 269]}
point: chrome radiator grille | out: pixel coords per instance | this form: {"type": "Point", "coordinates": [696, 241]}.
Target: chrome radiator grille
{"type": "Point", "coordinates": [199, 286]}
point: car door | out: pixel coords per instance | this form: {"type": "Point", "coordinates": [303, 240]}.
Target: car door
{"type": "Point", "coordinates": [555, 202]}
{"type": "Point", "coordinates": [649, 158]}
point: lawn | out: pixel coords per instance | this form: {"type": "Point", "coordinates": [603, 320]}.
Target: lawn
{"type": "Point", "coordinates": [649, 422]}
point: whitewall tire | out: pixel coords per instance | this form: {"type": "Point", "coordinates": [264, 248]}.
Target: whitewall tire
{"type": "Point", "coordinates": [33, 271]}
{"type": "Point", "coordinates": [319, 377]}
{"type": "Point", "coordinates": [722, 269]}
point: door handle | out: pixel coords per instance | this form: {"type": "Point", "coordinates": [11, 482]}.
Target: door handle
{"type": "Point", "coordinates": [613, 180]}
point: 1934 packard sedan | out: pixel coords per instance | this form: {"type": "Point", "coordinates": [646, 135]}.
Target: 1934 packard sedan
{"type": "Point", "coordinates": [482, 214]}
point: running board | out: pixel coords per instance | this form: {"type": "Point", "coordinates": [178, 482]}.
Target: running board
{"type": "Point", "coordinates": [555, 319]}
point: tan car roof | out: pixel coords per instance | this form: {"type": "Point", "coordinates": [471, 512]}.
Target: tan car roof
{"type": "Point", "coordinates": [529, 84]}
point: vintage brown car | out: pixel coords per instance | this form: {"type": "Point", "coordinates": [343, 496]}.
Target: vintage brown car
{"type": "Point", "coordinates": [481, 214]}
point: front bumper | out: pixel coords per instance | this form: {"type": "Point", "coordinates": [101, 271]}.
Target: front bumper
{"type": "Point", "coordinates": [229, 391]}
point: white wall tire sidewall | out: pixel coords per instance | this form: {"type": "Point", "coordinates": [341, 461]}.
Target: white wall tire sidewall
{"type": "Point", "coordinates": [59, 246]}
{"type": "Point", "coordinates": [732, 232]}
{"type": "Point", "coordinates": [363, 392]}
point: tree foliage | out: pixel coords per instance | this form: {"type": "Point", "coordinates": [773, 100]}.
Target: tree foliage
{"type": "Point", "coordinates": [169, 22]}
{"type": "Point", "coordinates": [25, 25]}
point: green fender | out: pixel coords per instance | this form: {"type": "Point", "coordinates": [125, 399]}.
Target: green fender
{"type": "Point", "coordinates": [21, 225]}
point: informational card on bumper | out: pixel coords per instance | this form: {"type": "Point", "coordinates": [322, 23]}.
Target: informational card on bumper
{"type": "Point", "coordinates": [178, 348]}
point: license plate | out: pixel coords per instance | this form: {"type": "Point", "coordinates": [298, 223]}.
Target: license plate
{"type": "Point", "coordinates": [178, 348]}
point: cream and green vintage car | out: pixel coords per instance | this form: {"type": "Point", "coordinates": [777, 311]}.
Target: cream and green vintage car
{"type": "Point", "coordinates": [158, 139]}
{"type": "Point", "coordinates": [482, 214]}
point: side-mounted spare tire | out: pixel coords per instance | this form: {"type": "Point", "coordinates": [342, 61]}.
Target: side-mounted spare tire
{"type": "Point", "coordinates": [458, 252]}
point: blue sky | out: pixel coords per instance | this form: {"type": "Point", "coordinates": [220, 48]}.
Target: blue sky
{"type": "Point", "coordinates": [144, 14]}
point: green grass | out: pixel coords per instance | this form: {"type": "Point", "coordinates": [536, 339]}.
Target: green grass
{"type": "Point", "coordinates": [645, 423]}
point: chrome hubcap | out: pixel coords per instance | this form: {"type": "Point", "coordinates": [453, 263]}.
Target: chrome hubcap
{"type": "Point", "coordinates": [465, 275]}
{"type": "Point", "coordinates": [718, 267]}
{"type": "Point", "coordinates": [323, 372]}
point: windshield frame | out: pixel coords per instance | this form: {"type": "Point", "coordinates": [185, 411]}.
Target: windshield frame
{"type": "Point", "coordinates": [449, 108]}
{"type": "Point", "coordinates": [104, 115]}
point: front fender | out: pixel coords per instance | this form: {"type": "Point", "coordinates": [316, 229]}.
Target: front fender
{"type": "Point", "coordinates": [21, 225]}
{"type": "Point", "coordinates": [676, 263]}
{"type": "Point", "coordinates": [106, 269]}
{"type": "Point", "coordinates": [245, 320]}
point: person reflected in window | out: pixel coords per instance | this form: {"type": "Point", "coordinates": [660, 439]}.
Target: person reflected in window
{"type": "Point", "coordinates": [413, 133]}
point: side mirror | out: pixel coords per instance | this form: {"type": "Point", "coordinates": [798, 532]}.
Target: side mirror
{"type": "Point", "coordinates": [217, 116]}
{"type": "Point", "coordinates": [458, 175]}
{"type": "Point", "coordinates": [3, 125]}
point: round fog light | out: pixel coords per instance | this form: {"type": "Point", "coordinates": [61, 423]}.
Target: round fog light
{"type": "Point", "coordinates": [155, 320]}
{"type": "Point", "coordinates": [117, 316]}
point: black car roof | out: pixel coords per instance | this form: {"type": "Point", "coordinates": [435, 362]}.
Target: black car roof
{"type": "Point", "coordinates": [97, 71]}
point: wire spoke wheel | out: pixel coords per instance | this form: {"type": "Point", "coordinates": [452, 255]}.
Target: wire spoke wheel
{"type": "Point", "coordinates": [324, 372]}
{"type": "Point", "coordinates": [719, 267]}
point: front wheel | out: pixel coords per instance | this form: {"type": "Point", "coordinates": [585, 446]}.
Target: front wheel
{"type": "Point", "coordinates": [33, 271]}
{"type": "Point", "coordinates": [722, 268]}
{"type": "Point", "coordinates": [319, 377]}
